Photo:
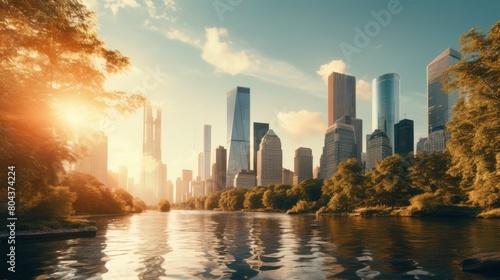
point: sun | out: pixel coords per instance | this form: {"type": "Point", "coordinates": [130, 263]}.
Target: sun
{"type": "Point", "coordinates": [72, 114]}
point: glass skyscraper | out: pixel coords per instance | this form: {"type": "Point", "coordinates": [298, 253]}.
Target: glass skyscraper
{"type": "Point", "coordinates": [385, 104]}
{"type": "Point", "coordinates": [238, 132]}
{"type": "Point", "coordinates": [439, 104]}
{"type": "Point", "coordinates": [259, 130]}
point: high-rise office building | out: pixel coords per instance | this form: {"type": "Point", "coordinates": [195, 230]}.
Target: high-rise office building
{"type": "Point", "coordinates": [287, 177]}
{"type": "Point", "coordinates": [342, 105]}
{"type": "Point", "coordinates": [122, 177]}
{"type": "Point", "coordinates": [339, 146]}
{"type": "Point", "coordinates": [269, 160]}
{"type": "Point", "coordinates": [259, 130]}
{"type": "Point", "coordinates": [341, 97]}
{"type": "Point", "coordinates": [421, 144]}
{"type": "Point", "coordinates": [95, 162]}
{"type": "Point", "coordinates": [403, 136]}
{"type": "Point", "coordinates": [377, 148]}
{"type": "Point", "coordinates": [207, 144]}
{"type": "Point", "coordinates": [385, 104]}
{"type": "Point", "coordinates": [152, 177]}
{"type": "Point", "coordinates": [244, 179]}
{"type": "Point", "coordinates": [439, 103]}
{"type": "Point", "coordinates": [219, 169]}
{"type": "Point", "coordinates": [303, 165]}
{"type": "Point", "coordinates": [238, 132]}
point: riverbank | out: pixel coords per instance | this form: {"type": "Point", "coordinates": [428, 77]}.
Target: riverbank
{"type": "Point", "coordinates": [50, 234]}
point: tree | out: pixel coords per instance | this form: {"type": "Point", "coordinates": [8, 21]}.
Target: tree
{"type": "Point", "coordinates": [346, 187]}
{"type": "Point", "coordinates": [253, 198]}
{"type": "Point", "coordinates": [164, 206]}
{"type": "Point", "coordinates": [390, 185]}
{"type": "Point", "coordinates": [475, 126]}
{"type": "Point", "coordinates": [308, 190]}
{"type": "Point", "coordinates": [429, 174]}
{"type": "Point", "coordinates": [51, 62]}
{"type": "Point", "coordinates": [212, 200]}
{"type": "Point", "coordinates": [232, 199]}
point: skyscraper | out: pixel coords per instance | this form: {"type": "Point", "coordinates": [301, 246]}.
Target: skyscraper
{"type": "Point", "coordinates": [339, 146]}
{"type": "Point", "coordinates": [385, 104]}
{"type": "Point", "coordinates": [342, 103]}
{"type": "Point", "coordinates": [259, 130]}
{"type": "Point", "coordinates": [122, 177]}
{"type": "Point", "coordinates": [303, 165]}
{"type": "Point", "coordinates": [95, 162]}
{"type": "Point", "coordinates": [269, 160]}
{"type": "Point", "coordinates": [439, 104]}
{"type": "Point", "coordinates": [207, 144]}
{"type": "Point", "coordinates": [219, 170]}
{"type": "Point", "coordinates": [341, 97]}
{"type": "Point", "coordinates": [152, 177]}
{"type": "Point", "coordinates": [377, 148]}
{"type": "Point", "coordinates": [238, 132]}
{"type": "Point", "coordinates": [403, 136]}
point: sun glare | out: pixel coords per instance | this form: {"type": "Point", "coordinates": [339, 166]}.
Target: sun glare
{"type": "Point", "coordinates": [72, 114]}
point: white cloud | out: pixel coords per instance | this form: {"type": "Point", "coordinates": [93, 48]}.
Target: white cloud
{"type": "Point", "coordinates": [363, 89]}
{"type": "Point", "coordinates": [162, 14]}
{"type": "Point", "coordinates": [178, 35]}
{"type": "Point", "coordinates": [302, 124]}
{"type": "Point", "coordinates": [325, 70]}
{"type": "Point", "coordinates": [115, 5]}
{"type": "Point", "coordinates": [217, 52]}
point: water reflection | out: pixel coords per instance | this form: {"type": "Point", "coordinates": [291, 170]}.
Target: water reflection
{"type": "Point", "coordinates": [230, 245]}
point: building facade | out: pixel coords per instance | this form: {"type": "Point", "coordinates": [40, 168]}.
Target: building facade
{"type": "Point", "coordinates": [244, 179]}
{"type": "Point", "coordinates": [377, 148]}
{"type": "Point", "coordinates": [238, 132]}
{"type": "Point", "coordinates": [95, 162]}
{"type": "Point", "coordinates": [269, 160]}
{"type": "Point", "coordinates": [403, 136]}
{"type": "Point", "coordinates": [341, 97]}
{"type": "Point", "coordinates": [219, 169]}
{"type": "Point", "coordinates": [339, 146]}
{"type": "Point", "coordinates": [303, 165]}
{"type": "Point", "coordinates": [439, 103]}
{"type": "Point", "coordinates": [259, 130]}
{"type": "Point", "coordinates": [385, 104]}
{"type": "Point", "coordinates": [207, 144]}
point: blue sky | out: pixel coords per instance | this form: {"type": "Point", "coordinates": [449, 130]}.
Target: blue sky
{"type": "Point", "coordinates": [186, 55]}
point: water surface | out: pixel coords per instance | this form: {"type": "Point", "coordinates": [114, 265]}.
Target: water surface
{"type": "Point", "coordinates": [236, 245]}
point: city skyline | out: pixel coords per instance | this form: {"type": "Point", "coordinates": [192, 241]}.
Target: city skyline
{"type": "Point", "coordinates": [188, 41]}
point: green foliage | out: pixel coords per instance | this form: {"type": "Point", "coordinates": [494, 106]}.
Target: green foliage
{"type": "Point", "coordinates": [56, 205]}
{"type": "Point", "coordinates": [253, 198]}
{"type": "Point", "coordinates": [346, 189]}
{"type": "Point", "coordinates": [164, 206]}
{"type": "Point", "coordinates": [474, 129]}
{"type": "Point", "coordinates": [390, 183]}
{"type": "Point", "coordinates": [429, 173]}
{"type": "Point", "coordinates": [427, 202]}
{"type": "Point", "coordinates": [50, 56]}
{"type": "Point", "coordinates": [308, 190]}
{"type": "Point", "coordinates": [276, 198]}
{"type": "Point", "coordinates": [303, 206]}
{"type": "Point", "coordinates": [212, 200]}
{"type": "Point", "coordinates": [232, 200]}
{"type": "Point", "coordinates": [92, 197]}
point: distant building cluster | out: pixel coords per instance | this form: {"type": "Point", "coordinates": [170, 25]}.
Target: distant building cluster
{"type": "Point", "coordinates": [239, 166]}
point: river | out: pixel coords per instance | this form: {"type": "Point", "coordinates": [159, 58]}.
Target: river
{"type": "Point", "coordinates": [237, 245]}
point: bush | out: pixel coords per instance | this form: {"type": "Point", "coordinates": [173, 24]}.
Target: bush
{"type": "Point", "coordinates": [56, 205]}
{"type": "Point", "coordinates": [427, 202]}
{"type": "Point", "coordinates": [164, 206]}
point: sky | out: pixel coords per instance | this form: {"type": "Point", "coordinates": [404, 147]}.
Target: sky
{"type": "Point", "coordinates": [186, 55]}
